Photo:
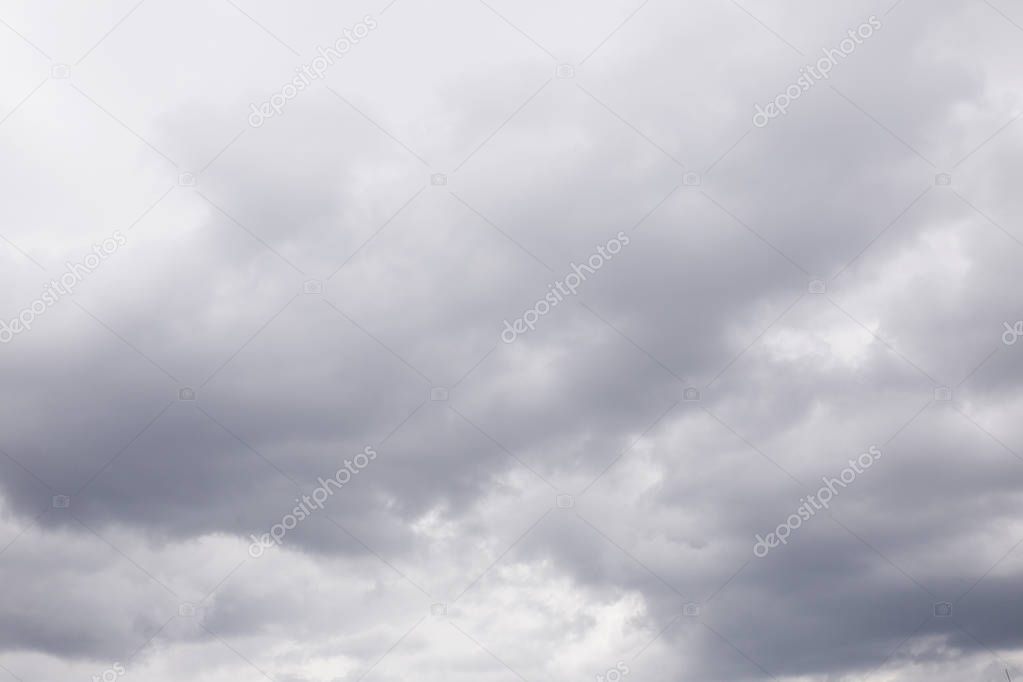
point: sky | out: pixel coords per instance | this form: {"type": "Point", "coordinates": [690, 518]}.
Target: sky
{"type": "Point", "coordinates": [483, 340]}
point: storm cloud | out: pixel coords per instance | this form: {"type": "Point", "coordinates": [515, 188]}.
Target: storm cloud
{"type": "Point", "coordinates": [582, 501]}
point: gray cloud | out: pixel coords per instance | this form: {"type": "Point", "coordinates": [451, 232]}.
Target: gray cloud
{"type": "Point", "coordinates": [542, 509]}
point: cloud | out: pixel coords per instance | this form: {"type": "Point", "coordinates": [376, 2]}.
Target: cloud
{"type": "Point", "coordinates": [587, 496]}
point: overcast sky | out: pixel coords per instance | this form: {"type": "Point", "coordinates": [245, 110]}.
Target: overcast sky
{"type": "Point", "coordinates": [581, 305]}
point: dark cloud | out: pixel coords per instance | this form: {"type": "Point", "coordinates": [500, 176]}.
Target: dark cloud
{"type": "Point", "coordinates": [339, 278]}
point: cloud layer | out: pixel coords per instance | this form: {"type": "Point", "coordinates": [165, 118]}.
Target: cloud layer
{"type": "Point", "coordinates": [585, 499]}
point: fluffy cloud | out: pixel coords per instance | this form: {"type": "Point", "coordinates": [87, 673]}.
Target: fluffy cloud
{"type": "Point", "coordinates": [586, 498]}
